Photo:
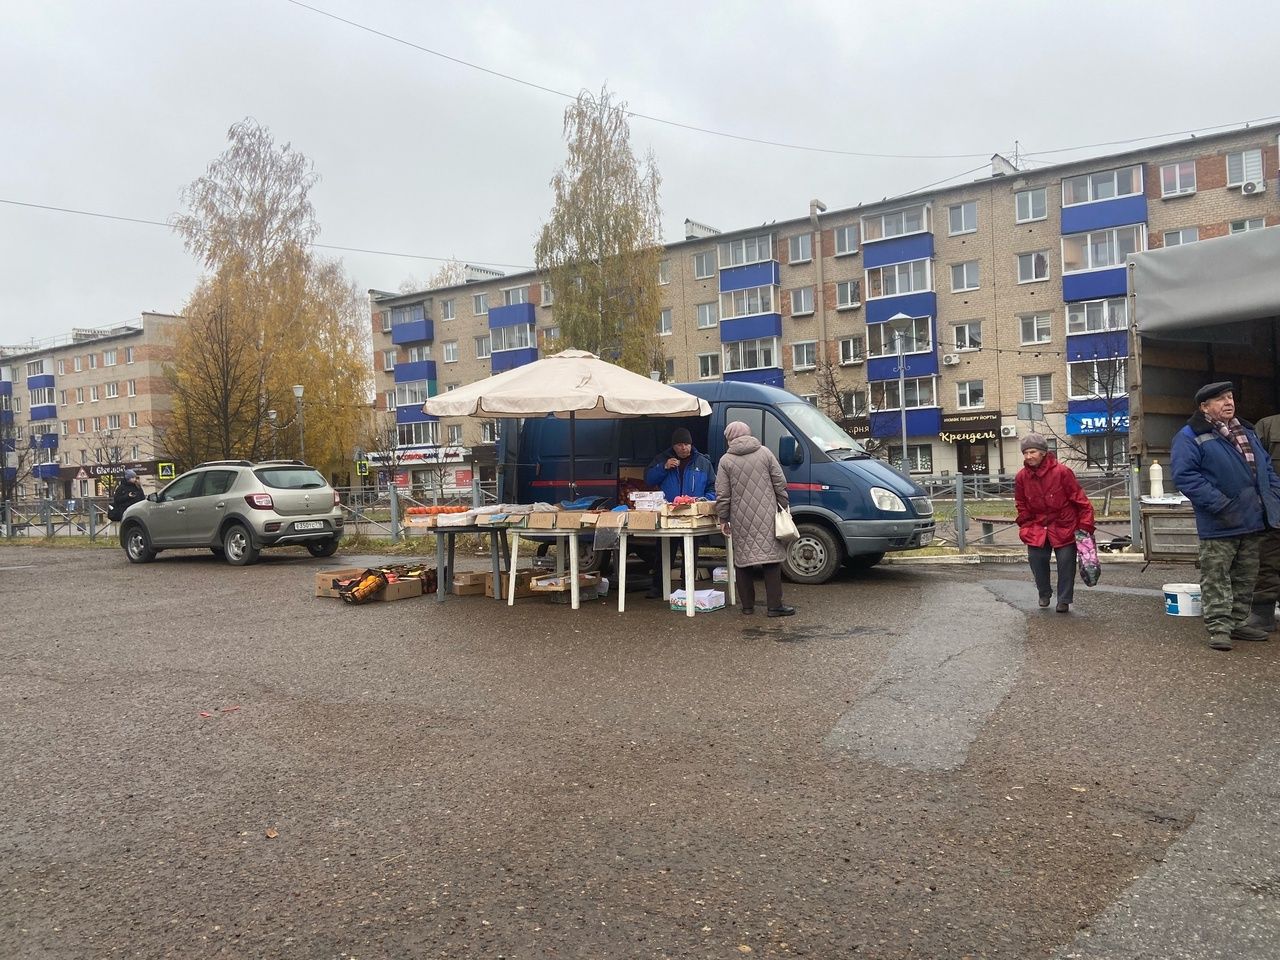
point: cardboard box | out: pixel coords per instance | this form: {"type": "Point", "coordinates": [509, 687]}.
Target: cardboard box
{"type": "Point", "coordinates": [402, 590]}
{"type": "Point", "coordinates": [468, 589]}
{"type": "Point", "coordinates": [469, 577]}
{"type": "Point", "coordinates": [542, 520]}
{"type": "Point", "coordinates": [523, 588]}
{"type": "Point", "coordinates": [642, 519]}
{"type": "Point", "coordinates": [689, 522]}
{"type": "Point", "coordinates": [611, 520]}
{"type": "Point", "coordinates": [325, 578]}
{"type": "Point", "coordinates": [569, 519]}
{"type": "Point", "coordinates": [419, 520]}
{"type": "Point", "coordinates": [559, 583]}
{"type": "Point", "coordinates": [699, 508]}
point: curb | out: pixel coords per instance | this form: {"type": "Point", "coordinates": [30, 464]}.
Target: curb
{"type": "Point", "coordinates": [979, 558]}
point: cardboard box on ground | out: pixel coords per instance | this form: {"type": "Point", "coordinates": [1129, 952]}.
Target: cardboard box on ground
{"type": "Point", "coordinates": [399, 590]}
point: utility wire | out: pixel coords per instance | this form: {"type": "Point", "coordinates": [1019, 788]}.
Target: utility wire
{"type": "Point", "coordinates": [322, 246]}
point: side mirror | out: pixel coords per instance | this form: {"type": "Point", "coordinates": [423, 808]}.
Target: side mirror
{"type": "Point", "coordinates": [153, 497]}
{"type": "Point", "coordinates": [789, 451]}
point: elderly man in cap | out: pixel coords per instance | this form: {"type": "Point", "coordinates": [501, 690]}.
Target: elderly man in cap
{"type": "Point", "coordinates": [1221, 466]}
{"type": "Point", "coordinates": [679, 471]}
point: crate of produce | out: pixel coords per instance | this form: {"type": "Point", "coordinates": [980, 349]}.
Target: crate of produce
{"type": "Point", "coordinates": [697, 508]}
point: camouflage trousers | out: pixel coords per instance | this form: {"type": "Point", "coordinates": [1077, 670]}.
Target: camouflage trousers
{"type": "Point", "coordinates": [1267, 587]}
{"type": "Point", "coordinates": [1228, 569]}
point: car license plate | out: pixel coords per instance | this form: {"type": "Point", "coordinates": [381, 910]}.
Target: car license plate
{"type": "Point", "coordinates": [309, 525]}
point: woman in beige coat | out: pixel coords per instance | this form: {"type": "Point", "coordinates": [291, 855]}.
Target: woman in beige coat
{"type": "Point", "coordinates": [750, 488]}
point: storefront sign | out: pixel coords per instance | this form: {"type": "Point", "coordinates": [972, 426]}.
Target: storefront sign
{"type": "Point", "coordinates": [143, 468]}
{"type": "Point", "coordinates": [1092, 424]}
{"type": "Point", "coordinates": [974, 427]}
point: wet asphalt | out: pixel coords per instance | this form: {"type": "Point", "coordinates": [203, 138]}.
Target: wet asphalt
{"type": "Point", "coordinates": [207, 761]}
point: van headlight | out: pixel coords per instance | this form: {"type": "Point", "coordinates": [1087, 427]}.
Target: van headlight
{"type": "Point", "coordinates": [887, 500]}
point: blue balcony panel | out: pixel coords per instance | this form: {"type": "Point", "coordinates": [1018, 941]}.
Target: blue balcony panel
{"type": "Point", "coordinates": [40, 382]}
{"type": "Point", "coordinates": [46, 441]}
{"type": "Point", "coordinates": [45, 471]}
{"type": "Point", "coordinates": [751, 328]}
{"type": "Point", "coordinates": [6, 388]}
{"type": "Point", "coordinates": [1102, 214]}
{"type": "Point", "coordinates": [1097, 416]}
{"type": "Point", "coordinates": [878, 253]}
{"type": "Point", "coordinates": [770, 376]}
{"type": "Point", "coordinates": [415, 331]}
{"type": "Point", "coordinates": [920, 423]}
{"type": "Point", "coordinates": [419, 370]}
{"type": "Point", "coordinates": [1110, 345]}
{"type": "Point", "coordinates": [1094, 285]}
{"type": "Point", "coordinates": [413, 414]}
{"type": "Point", "coordinates": [923, 304]}
{"type": "Point", "coordinates": [918, 365]}
{"type": "Point", "coordinates": [510, 359]}
{"type": "Point", "coordinates": [45, 411]}
{"type": "Point", "coordinates": [512, 315]}
{"type": "Point", "coordinates": [6, 417]}
{"type": "Point", "coordinates": [751, 275]}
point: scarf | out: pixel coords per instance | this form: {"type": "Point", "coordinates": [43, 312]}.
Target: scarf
{"type": "Point", "coordinates": [735, 430]}
{"type": "Point", "coordinates": [1234, 432]}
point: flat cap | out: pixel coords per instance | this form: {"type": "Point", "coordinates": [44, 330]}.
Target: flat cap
{"type": "Point", "coordinates": [1211, 390]}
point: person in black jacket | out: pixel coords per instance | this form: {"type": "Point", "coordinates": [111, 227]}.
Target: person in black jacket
{"type": "Point", "coordinates": [128, 492]}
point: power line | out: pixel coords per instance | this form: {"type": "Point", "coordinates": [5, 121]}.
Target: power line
{"type": "Point", "coordinates": [322, 246]}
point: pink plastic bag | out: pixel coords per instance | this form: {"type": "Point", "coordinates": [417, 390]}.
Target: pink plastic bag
{"type": "Point", "coordinates": [1087, 555]}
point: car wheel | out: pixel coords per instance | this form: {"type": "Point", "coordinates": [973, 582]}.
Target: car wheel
{"type": "Point", "coordinates": [238, 546]}
{"type": "Point", "coordinates": [137, 545]}
{"type": "Point", "coordinates": [323, 548]}
{"type": "Point", "coordinates": [814, 556]}
{"type": "Point", "coordinates": [863, 561]}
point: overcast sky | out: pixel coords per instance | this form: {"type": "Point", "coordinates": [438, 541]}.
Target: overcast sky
{"type": "Point", "coordinates": [113, 107]}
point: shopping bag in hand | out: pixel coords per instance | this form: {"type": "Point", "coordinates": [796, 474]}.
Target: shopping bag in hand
{"type": "Point", "coordinates": [1087, 555]}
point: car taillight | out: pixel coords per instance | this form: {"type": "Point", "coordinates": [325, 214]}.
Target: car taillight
{"type": "Point", "coordinates": [259, 501]}
{"type": "Point", "coordinates": [337, 500]}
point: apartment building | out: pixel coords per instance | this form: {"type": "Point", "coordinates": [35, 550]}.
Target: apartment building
{"type": "Point", "coordinates": [76, 411]}
{"type": "Point", "coordinates": [1004, 292]}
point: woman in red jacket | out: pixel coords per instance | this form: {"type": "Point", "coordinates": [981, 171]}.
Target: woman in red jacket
{"type": "Point", "coordinates": [1051, 508]}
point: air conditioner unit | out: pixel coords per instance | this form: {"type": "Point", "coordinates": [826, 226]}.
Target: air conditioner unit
{"type": "Point", "coordinates": [1008, 431]}
{"type": "Point", "coordinates": [1251, 187]}
{"type": "Point", "coordinates": [950, 359]}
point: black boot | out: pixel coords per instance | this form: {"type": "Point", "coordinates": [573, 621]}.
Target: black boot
{"type": "Point", "coordinates": [1263, 616]}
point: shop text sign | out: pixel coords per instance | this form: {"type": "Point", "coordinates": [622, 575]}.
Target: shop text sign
{"type": "Point", "coordinates": [973, 427]}
{"type": "Point", "coordinates": [1084, 424]}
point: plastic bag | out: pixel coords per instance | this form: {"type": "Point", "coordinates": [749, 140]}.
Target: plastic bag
{"type": "Point", "coordinates": [784, 527]}
{"type": "Point", "coordinates": [1087, 556]}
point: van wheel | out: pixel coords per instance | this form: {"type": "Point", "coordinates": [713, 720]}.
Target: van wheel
{"type": "Point", "coordinates": [814, 556]}
{"type": "Point", "coordinates": [863, 561]}
{"type": "Point", "coordinates": [591, 560]}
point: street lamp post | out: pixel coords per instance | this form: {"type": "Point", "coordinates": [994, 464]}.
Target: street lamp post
{"type": "Point", "coordinates": [302, 423]}
{"type": "Point", "coordinates": [271, 418]}
{"type": "Point", "coordinates": [900, 323]}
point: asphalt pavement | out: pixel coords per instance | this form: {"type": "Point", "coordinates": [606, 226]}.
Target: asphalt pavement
{"type": "Point", "coordinates": [208, 761]}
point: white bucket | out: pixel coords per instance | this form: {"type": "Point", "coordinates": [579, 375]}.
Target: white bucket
{"type": "Point", "coordinates": [1182, 599]}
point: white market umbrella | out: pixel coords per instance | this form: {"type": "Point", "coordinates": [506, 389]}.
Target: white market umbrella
{"type": "Point", "coordinates": [572, 383]}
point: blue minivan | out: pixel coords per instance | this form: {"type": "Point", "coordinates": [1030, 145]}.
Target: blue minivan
{"type": "Point", "coordinates": [850, 507]}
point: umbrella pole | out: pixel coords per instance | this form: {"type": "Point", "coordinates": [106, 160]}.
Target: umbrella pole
{"type": "Point", "coordinates": [573, 456]}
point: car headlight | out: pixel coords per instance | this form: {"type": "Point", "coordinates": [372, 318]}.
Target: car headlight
{"type": "Point", "coordinates": [887, 500]}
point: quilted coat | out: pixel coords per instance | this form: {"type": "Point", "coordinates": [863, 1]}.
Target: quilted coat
{"type": "Point", "coordinates": [749, 489]}
{"type": "Point", "coordinates": [1051, 504]}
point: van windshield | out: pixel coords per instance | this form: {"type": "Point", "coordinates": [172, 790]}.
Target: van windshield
{"type": "Point", "coordinates": [823, 431]}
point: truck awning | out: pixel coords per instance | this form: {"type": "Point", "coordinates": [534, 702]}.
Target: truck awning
{"type": "Point", "coordinates": [1180, 292]}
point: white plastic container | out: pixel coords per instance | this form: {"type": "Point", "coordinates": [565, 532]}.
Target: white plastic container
{"type": "Point", "coordinates": [1182, 599]}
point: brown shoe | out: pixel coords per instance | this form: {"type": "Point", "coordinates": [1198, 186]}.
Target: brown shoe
{"type": "Point", "coordinates": [1063, 607]}
{"type": "Point", "coordinates": [1045, 601]}
{"type": "Point", "coordinates": [1219, 641]}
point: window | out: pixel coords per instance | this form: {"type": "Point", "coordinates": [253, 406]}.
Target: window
{"type": "Point", "coordinates": [970, 394]}
{"type": "Point", "coordinates": [668, 370]}
{"type": "Point", "coordinates": [919, 457]}
{"type": "Point", "coordinates": [40, 396]}
{"type": "Point", "coordinates": [113, 421]}
{"type": "Point", "coordinates": [514, 295]}
{"type": "Point", "coordinates": [852, 350]}
{"type": "Point", "coordinates": [846, 240]}
{"type": "Point", "coordinates": [896, 224]}
{"type": "Point", "coordinates": [1098, 378]}
{"type": "Point", "coordinates": [489, 431]}
{"type": "Point", "coordinates": [745, 303]}
{"type": "Point", "coordinates": [80, 425]}
{"type": "Point", "coordinates": [548, 298]}
{"type": "Point", "coordinates": [62, 398]}
{"type": "Point", "coordinates": [853, 403]}
{"type": "Point", "coordinates": [411, 314]}
{"type": "Point", "coordinates": [128, 354]}
{"type": "Point", "coordinates": [518, 337]}
{"type": "Point", "coordinates": [446, 310]}
{"type": "Point", "coordinates": [133, 419]}
{"type": "Point", "coordinates": [1037, 388]}
{"type": "Point", "coordinates": [454, 432]}
{"type": "Point", "coordinates": [708, 315]}
{"type": "Point", "coordinates": [801, 301]}
{"type": "Point", "coordinates": [385, 317]}
{"type": "Point", "coordinates": [93, 394]}
{"type": "Point", "coordinates": [968, 336]}
{"type": "Point", "coordinates": [388, 360]}
{"type": "Point", "coordinates": [425, 434]}
{"type": "Point", "coordinates": [97, 425]}
{"type": "Point", "coordinates": [76, 363]}
{"type": "Point", "coordinates": [881, 341]}
{"type": "Point", "coordinates": [551, 334]}
{"type": "Point", "coordinates": [79, 394]}
{"type": "Point", "coordinates": [708, 366]}
{"type": "Point", "coordinates": [964, 276]}
{"type": "Point", "coordinates": [810, 398]}
{"type": "Point", "coordinates": [735, 253]}
{"type": "Point", "coordinates": [800, 248]}
{"type": "Point", "coordinates": [898, 279]}
{"type": "Point", "coordinates": [411, 394]}
{"type": "Point", "coordinates": [1242, 166]}
{"type": "Point", "coordinates": [35, 368]}
{"type": "Point", "coordinates": [664, 272]}
{"type": "Point", "coordinates": [1176, 238]}
{"type": "Point", "coordinates": [108, 358]}
{"type": "Point", "coordinates": [113, 390]}
{"type": "Point", "coordinates": [1107, 185]}
{"type": "Point", "coordinates": [484, 347]}
{"type": "Point", "coordinates": [962, 218]}
{"type": "Point", "coordinates": [66, 427]}
{"type": "Point", "coordinates": [1102, 248]}
{"type": "Point", "coordinates": [1244, 226]}
{"type": "Point", "coordinates": [131, 388]}
{"type": "Point", "coordinates": [135, 452]}
{"type": "Point", "coordinates": [1107, 451]}
{"type": "Point", "coordinates": [848, 294]}
{"type": "Point", "coordinates": [664, 322]}
{"type": "Point", "coordinates": [419, 352]}
{"type": "Point", "coordinates": [804, 356]}
{"type": "Point", "coordinates": [480, 304]}
{"type": "Point", "coordinates": [1097, 316]}
{"type": "Point", "coordinates": [751, 355]}
{"type": "Point", "coordinates": [451, 351]}
{"type": "Point", "coordinates": [1178, 179]}
{"type": "Point", "coordinates": [391, 399]}
{"type": "Point", "coordinates": [62, 367]}
{"type": "Point", "coordinates": [1033, 267]}
{"type": "Point", "coordinates": [1036, 328]}
{"type": "Point", "coordinates": [919, 393]}
{"type": "Point", "coordinates": [704, 265]}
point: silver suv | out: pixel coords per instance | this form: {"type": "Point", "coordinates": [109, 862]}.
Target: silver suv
{"type": "Point", "coordinates": [235, 508]}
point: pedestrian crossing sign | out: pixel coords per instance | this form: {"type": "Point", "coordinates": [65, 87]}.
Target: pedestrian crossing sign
{"type": "Point", "coordinates": [362, 468]}
{"type": "Point", "coordinates": [165, 471]}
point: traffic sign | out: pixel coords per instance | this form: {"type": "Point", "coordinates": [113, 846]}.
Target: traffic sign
{"type": "Point", "coordinates": [362, 468]}
{"type": "Point", "coordinates": [166, 471]}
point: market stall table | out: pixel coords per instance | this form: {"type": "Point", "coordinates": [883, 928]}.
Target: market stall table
{"type": "Point", "coordinates": [665, 536]}
{"type": "Point", "coordinates": [444, 555]}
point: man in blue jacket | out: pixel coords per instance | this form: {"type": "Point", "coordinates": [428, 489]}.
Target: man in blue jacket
{"type": "Point", "coordinates": [679, 471]}
{"type": "Point", "coordinates": [1224, 470]}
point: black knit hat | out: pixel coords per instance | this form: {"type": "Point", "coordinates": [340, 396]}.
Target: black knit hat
{"type": "Point", "coordinates": [681, 435]}
{"type": "Point", "coordinates": [1211, 390]}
